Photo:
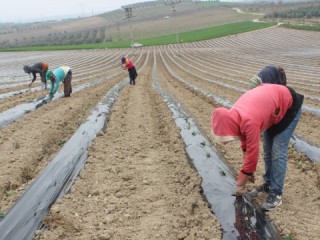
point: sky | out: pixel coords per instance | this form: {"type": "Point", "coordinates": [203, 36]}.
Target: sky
{"type": "Point", "coordinates": [21, 11]}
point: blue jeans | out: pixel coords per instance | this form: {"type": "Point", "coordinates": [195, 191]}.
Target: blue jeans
{"type": "Point", "coordinates": [276, 156]}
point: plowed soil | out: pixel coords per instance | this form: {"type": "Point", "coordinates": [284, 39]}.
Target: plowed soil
{"type": "Point", "coordinates": [138, 182]}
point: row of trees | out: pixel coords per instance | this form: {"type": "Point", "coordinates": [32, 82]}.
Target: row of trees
{"type": "Point", "coordinates": [85, 37]}
{"type": "Point", "coordinates": [312, 11]}
{"type": "Point", "coordinates": [6, 28]}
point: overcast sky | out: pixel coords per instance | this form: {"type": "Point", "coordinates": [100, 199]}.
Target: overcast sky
{"type": "Point", "coordinates": [41, 10]}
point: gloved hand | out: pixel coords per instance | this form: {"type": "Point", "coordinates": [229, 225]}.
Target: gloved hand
{"type": "Point", "coordinates": [41, 103]}
{"type": "Point", "coordinates": [241, 182]}
{"type": "Point", "coordinates": [240, 190]}
{"type": "Point", "coordinates": [252, 178]}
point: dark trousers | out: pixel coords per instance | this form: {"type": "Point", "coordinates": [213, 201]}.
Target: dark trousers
{"type": "Point", "coordinates": [132, 75]}
{"type": "Point", "coordinates": [43, 78]}
{"type": "Point", "coordinates": [67, 84]}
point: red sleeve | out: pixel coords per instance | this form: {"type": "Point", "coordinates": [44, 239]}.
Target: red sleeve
{"type": "Point", "coordinates": [252, 143]}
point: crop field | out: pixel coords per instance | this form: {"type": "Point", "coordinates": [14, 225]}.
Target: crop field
{"type": "Point", "coordinates": [138, 179]}
{"type": "Point", "coordinates": [149, 22]}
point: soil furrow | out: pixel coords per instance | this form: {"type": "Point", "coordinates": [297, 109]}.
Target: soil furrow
{"type": "Point", "coordinates": [302, 179]}
{"type": "Point", "coordinates": [27, 144]}
{"type": "Point", "coordinates": [138, 182]}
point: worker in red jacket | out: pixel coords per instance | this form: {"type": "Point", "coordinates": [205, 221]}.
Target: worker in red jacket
{"type": "Point", "coordinates": [273, 110]}
{"type": "Point", "coordinates": [128, 64]}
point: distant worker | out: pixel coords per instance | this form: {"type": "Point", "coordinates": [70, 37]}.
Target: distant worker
{"type": "Point", "coordinates": [63, 74]}
{"type": "Point", "coordinates": [128, 64]}
{"type": "Point", "coordinates": [269, 74]}
{"type": "Point", "coordinates": [41, 68]}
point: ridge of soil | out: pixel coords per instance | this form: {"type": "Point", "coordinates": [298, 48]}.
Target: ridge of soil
{"type": "Point", "coordinates": [138, 182]}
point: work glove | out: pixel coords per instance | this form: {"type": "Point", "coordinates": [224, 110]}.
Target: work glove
{"type": "Point", "coordinates": [41, 103]}
{"type": "Point", "coordinates": [241, 182]}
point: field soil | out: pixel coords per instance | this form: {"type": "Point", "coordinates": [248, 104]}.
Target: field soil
{"type": "Point", "coordinates": [138, 182]}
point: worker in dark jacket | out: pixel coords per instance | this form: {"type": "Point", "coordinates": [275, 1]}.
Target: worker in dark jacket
{"type": "Point", "coordinates": [41, 68]}
{"type": "Point", "coordinates": [269, 74]}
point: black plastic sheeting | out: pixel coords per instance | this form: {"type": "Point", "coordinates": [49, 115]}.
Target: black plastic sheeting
{"type": "Point", "coordinates": [26, 215]}
{"type": "Point", "coordinates": [238, 217]}
{"type": "Point", "coordinates": [239, 89]}
{"type": "Point", "coordinates": [9, 94]}
{"type": "Point", "coordinates": [310, 109]}
{"type": "Point", "coordinates": [302, 146]}
{"type": "Point", "coordinates": [18, 111]}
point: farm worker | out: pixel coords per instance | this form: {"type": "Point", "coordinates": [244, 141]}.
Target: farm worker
{"type": "Point", "coordinates": [41, 68]}
{"type": "Point", "coordinates": [269, 74]}
{"type": "Point", "coordinates": [63, 74]}
{"type": "Point", "coordinates": [273, 110]}
{"type": "Point", "coordinates": [128, 64]}
{"type": "Point", "coordinates": [274, 75]}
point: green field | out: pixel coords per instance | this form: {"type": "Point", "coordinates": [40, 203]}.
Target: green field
{"type": "Point", "coordinates": [198, 35]}
{"type": "Point", "coordinates": [192, 36]}
{"type": "Point", "coordinates": [154, 24]}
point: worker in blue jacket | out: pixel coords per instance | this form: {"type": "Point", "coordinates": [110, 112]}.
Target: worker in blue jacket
{"type": "Point", "coordinates": [63, 74]}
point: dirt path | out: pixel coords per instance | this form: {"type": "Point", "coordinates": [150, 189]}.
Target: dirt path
{"type": "Point", "coordinates": [138, 182]}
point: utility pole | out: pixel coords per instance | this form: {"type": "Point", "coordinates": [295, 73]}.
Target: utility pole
{"type": "Point", "coordinates": [128, 11]}
{"type": "Point", "coordinates": [172, 3]}
{"type": "Point", "coordinates": [118, 30]}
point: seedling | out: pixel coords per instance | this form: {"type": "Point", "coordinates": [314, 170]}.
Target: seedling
{"type": "Point", "coordinates": [61, 142]}
{"type": "Point", "coordinates": [47, 152]}
{"type": "Point", "coordinates": [222, 173]}
{"type": "Point", "coordinates": [9, 193]}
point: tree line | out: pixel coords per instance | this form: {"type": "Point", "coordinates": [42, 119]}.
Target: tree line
{"type": "Point", "coordinates": [311, 11]}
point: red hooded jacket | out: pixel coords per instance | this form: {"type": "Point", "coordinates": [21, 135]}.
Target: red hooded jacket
{"type": "Point", "coordinates": [128, 63]}
{"type": "Point", "coordinates": [255, 111]}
